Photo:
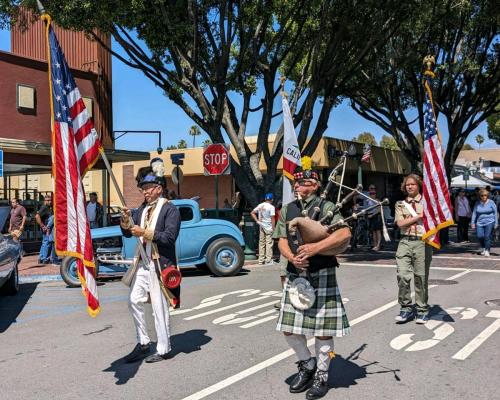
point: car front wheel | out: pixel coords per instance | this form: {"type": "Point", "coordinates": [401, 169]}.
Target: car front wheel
{"type": "Point", "coordinates": [69, 271]}
{"type": "Point", "coordinates": [225, 257]}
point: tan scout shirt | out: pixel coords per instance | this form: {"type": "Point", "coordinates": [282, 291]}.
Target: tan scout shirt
{"type": "Point", "coordinates": [403, 213]}
{"type": "Point", "coordinates": [280, 229]}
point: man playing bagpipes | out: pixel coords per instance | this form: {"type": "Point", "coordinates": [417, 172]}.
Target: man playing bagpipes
{"type": "Point", "coordinates": [311, 304]}
{"type": "Point", "coordinates": [157, 224]}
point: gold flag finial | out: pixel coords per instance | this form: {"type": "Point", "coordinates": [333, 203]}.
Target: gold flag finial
{"type": "Point", "coordinates": [429, 63]}
{"type": "Point", "coordinates": [282, 84]}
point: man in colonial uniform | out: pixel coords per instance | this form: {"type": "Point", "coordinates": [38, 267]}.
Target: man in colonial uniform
{"type": "Point", "coordinates": [413, 256]}
{"type": "Point", "coordinates": [325, 317]}
{"type": "Point", "coordinates": [157, 224]}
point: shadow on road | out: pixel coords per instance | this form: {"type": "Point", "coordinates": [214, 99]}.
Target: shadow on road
{"type": "Point", "coordinates": [123, 371]}
{"type": "Point", "coordinates": [11, 306]}
{"type": "Point", "coordinates": [186, 342]}
{"type": "Point", "coordinates": [344, 372]}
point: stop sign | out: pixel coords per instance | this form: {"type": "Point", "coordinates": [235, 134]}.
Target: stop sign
{"type": "Point", "coordinates": [216, 159]}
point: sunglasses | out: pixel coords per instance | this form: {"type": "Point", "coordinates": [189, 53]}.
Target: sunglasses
{"type": "Point", "coordinates": [303, 182]}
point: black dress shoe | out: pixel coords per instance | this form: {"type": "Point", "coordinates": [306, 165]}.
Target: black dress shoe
{"type": "Point", "coordinates": [155, 358]}
{"type": "Point", "coordinates": [319, 387]}
{"type": "Point", "coordinates": [303, 379]}
{"type": "Point", "coordinates": [140, 351]}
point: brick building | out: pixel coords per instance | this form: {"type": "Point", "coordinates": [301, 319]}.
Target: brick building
{"type": "Point", "coordinates": [25, 131]}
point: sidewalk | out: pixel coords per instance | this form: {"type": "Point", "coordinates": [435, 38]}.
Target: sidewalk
{"type": "Point", "coordinates": [31, 271]}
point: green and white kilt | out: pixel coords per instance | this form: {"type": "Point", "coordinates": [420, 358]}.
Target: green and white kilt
{"type": "Point", "coordinates": [326, 317]}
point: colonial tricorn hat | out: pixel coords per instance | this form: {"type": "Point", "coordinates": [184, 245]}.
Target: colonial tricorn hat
{"type": "Point", "coordinates": [305, 171]}
{"type": "Point", "coordinates": [155, 173]}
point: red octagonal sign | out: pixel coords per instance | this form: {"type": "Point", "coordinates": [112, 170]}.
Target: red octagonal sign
{"type": "Point", "coordinates": [216, 159]}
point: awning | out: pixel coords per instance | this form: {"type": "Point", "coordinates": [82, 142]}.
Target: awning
{"type": "Point", "coordinates": [472, 182]}
{"type": "Point", "coordinates": [24, 157]}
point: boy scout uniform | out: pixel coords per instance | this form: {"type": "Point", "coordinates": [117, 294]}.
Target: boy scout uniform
{"type": "Point", "coordinates": [413, 258]}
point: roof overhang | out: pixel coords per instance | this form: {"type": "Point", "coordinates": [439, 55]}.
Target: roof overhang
{"type": "Point", "coordinates": [27, 151]}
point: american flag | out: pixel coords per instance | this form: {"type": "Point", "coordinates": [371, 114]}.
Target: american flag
{"type": "Point", "coordinates": [367, 153]}
{"type": "Point", "coordinates": [436, 195]}
{"type": "Point", "coordinates": [75, 149]}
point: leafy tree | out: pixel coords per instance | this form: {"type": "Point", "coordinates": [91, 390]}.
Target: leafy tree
{"type": "Point", "coordinates": [210, 58]}
{"type": "Point", "coordinates": [467, 146]}
{"type": "Point", "coordinates": [171, 147]}
{"type": "Point", "coordinates": [194, 131]}
{"type": "Point", "coordinates": [366, 137]}
{"type": "Point", "coordinates": [388, 142]}
{"type": "Point", "coordinates": [494, 126]}
{"type": "Point", "coordinates": [463, 37]}
{"type": "Point", "coordinates": [206, 142]}
{"type": "Point", "coordinates": [479, 140]}
{"type": "Point", "coordinates": [182, 144]}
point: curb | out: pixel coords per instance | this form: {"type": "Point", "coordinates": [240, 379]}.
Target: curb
{"type": "Point", "coordinates": [39, 278]}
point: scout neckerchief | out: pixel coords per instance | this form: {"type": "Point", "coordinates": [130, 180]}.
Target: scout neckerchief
{"type": "Point", "coordinates": [412, 209]}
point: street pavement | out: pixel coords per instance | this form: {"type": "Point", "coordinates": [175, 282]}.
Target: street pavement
{"type": "Point", "coordinates": [224, 343]}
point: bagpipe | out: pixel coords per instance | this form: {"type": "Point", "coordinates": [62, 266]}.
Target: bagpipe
{"type": "Point", "coordinates": [312, 229]}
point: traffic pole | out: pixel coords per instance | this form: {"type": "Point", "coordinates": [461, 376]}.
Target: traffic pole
{"type": "Point", "coordinates": [216, 196]}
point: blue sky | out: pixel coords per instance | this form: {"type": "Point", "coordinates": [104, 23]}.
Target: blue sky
{"type": "Point", "coordinates": [139, 105]}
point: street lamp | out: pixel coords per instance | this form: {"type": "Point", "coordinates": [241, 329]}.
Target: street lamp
{"type": "Point", "coordinates": [123, 133]}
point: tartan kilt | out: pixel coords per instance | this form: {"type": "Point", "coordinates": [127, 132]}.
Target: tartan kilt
{"type": "Point", "coordinates": [326, 317]}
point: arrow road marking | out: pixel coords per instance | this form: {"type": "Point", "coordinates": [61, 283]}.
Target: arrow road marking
{"type": "Point", "coordinates": [470, 347]}
{"type": "Point", "coordinates": [262, 296]}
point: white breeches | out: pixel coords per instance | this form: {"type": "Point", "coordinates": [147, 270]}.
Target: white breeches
{"type": "Point", "coordinates": [145, 282]}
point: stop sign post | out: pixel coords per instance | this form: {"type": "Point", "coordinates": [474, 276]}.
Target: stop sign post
{"type": "Point", "coordinates": [216, 162]}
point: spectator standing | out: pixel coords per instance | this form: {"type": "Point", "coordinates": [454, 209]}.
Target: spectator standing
{"type": "Point", "coordinates": [484, 220]}
{"type": "Point", "coordinates": [462, 216]}
{"type": "Point", "coordinates": [42, 218]}
{"type": "Point", "coordinates": [94, 211]}
{"type": "Point", "coordinates": [374, 218]}
{"type": "Point", "coordinates": [17, 219]}
{"type": "Point", "coordinates": [263, 215]}
{"type": "Point", "coordinates": [51, 245]}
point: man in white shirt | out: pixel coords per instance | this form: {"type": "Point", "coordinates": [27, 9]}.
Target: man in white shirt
{"type": "Point", "coordinates": [94, 211]}
{"type": "Point", "coordinates": [263, 215]}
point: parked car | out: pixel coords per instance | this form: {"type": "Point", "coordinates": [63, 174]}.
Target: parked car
{"type": "Point", "coordinates": [206, 243]}
{"type": "Point", "coordinates": [114, 215]}
{"type": "Point", "coordinates": [10, 256]}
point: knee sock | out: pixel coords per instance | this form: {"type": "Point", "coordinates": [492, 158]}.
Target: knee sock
{"type": "Point", "coordinates": [299, 344]}
{"type": "Point", "coordinates": [323, 351]}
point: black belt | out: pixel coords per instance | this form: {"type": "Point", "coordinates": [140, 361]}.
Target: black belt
{"type": "Point", "coordinates": [411, 237]}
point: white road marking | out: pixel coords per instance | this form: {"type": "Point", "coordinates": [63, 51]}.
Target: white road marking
{"type": "Point", "coordinates": [470, 347]}
{"type": "Point", "coordinates": [229, 317]}
{"type": "Point", "coordinates": [277, 358]}
{"type": "Point", "coordinates": [451, 278]}
{"type": "Point", "coordinates": [441, 257]}
{"type": "Point", "coordinates": [226, 308]}
{"type": "Point", "coordinates": [351, 264]}
{"type": "Point", "coordinates": [260, 321]}
{"type": "Point", "coordinates": [213, 300]}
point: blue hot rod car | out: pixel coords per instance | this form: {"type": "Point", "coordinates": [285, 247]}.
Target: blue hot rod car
{"type": "Point", "coordinates": [206, 243]}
